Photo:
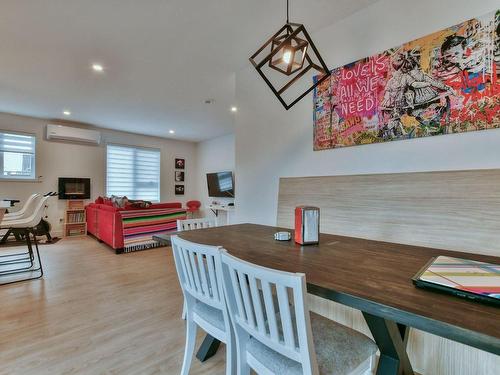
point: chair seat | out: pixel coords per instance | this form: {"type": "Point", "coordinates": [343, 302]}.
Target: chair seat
{"type": "Point", "coordinates": [339, 349]}
{"type": "Point", "coordinates": [210, 314]}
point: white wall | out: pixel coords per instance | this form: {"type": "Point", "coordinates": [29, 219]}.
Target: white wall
{"type": "Point", "coordinates": [273, 143]}
{"type": "Point", "coordinates": [57, 159]}
{"type": "Point", "coordinates": [214, 155]}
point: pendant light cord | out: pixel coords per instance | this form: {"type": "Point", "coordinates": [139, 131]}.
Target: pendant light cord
{"type": "Point", "coordinates": [287, 11]}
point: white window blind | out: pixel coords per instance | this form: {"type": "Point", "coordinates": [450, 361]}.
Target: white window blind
{"type": "Point", "coordinates": [17, 155]}
{"type": "Point", "coordinates": [133, 172]}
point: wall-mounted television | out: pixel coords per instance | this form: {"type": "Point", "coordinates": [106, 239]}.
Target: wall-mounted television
{"type": "Point", "coordinates": [74, 188]}
{"type": "Point", "coordinates": [220, 184]}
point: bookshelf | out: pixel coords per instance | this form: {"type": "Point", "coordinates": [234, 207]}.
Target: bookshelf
{"type": "Point", "coordinates": [75, 223]}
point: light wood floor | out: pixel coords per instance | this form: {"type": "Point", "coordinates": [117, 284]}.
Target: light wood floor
{"type": "Point", "coordinates": [95, 312]}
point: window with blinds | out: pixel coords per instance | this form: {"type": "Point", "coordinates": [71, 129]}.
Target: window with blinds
{"type": "Point", "coordinates": [133, 172]}
{"type": "Point", "coordinates": [17, 155]}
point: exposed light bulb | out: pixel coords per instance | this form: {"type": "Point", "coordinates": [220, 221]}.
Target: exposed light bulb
{"type": "Point", "coordinates": [287, 56]}
{"type": "Point", "coordinates": [234, 109]}
{"type": "Point", "coordinates": [97, 67]}
{"type": "Point", "coordinates": [171, 131]}
{"type": "Point", "coordinates": [66, 113]}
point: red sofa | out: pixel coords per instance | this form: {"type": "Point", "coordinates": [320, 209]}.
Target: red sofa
{"type": "Point", "coordinates": [131, 229]}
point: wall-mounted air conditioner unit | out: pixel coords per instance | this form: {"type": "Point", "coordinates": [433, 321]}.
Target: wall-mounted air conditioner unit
{"type": "Point", "coordinates": [67, 133]}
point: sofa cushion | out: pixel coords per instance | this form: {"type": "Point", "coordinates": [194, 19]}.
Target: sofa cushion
{"type": "Point", "coordinates": [107, 202]}
{"type": "Point", "coordinates": [154, 206]}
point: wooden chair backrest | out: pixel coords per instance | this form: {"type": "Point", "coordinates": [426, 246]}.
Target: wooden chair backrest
{"type": "Point", "coordinates": [191, 224]}
{"type": "Point", "coordinates": [270, 306]}
{"type": "Point", "coordinates": [198, 267]}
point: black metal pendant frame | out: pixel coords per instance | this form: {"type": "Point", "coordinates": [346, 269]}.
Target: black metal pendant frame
{"type": "Point", "coordinates": [293, 46]}
{"type": "Point", "coordinates": [321, 68]}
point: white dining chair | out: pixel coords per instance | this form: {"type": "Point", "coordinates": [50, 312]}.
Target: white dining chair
{"type": "Point", "coordinates": [198, 268]}
{"type": "Point", "coordinates": [275, 332]}
{"type": "Point", "coordinates": [26, 210]}
{"type": "Point", "coordinates": [191, 224]}
{"type": "Point", "coordinates": [24, 225]}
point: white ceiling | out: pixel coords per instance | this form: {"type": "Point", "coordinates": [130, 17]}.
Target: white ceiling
{"type": "Point", "coordinates": [162, 58]}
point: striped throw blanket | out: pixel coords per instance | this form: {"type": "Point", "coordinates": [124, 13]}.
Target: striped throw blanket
{"type": "Point", "coordinates": [139, 226]}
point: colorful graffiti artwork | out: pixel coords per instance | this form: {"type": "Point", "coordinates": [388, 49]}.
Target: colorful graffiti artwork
{"type": "Point", "coordinates": [446, 82]}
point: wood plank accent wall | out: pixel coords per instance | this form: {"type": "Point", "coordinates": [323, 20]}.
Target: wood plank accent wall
{"type": "Point", "coordinates": [456, 210]}
{"type": "Point", "coordinates": [450, 210]}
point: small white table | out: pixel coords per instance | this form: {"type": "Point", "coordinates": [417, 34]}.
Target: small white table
{"type": "Point", "coordinates": [217, 208]}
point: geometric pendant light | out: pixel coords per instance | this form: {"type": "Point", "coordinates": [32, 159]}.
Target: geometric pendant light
{"type": "Point", "coordinates": [291, 52]}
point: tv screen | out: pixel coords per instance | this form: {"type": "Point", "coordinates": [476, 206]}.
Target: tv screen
{"type": "Point", "coordinates": [74, 188]}
{"type": "Point", "coordinates": [220, 184]}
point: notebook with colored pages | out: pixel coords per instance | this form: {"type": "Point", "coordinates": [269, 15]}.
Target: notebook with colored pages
{"type": "Point", "coordinates": [465, 278]}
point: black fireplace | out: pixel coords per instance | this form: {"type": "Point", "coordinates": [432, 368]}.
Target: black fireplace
{"type": "Point", "coordinates": [74, 188]}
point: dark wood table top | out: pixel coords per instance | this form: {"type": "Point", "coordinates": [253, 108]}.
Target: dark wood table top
{"type": "Point", "coordinates": [372, 276]}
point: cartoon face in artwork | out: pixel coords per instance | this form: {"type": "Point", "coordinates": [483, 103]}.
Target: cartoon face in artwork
{"type": "Point", "coordinates": [409, 96]}
{"type": "Point", "coordinates": [452, 51]}
{"type": "Point", "coordinates": [405, 61]}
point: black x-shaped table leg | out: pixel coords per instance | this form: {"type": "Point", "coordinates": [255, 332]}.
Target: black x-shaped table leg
{"type": "Point", "coordinates": [391, 339]}
{"type": "Point", "coordinates": [208, 348]}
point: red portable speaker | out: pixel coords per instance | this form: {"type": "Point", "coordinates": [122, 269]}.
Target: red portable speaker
{"type": "Point", "coordinates": [306, 225]}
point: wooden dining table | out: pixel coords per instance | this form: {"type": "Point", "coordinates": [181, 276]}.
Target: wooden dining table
{"type": "Point", "coordinates": [371, 276]}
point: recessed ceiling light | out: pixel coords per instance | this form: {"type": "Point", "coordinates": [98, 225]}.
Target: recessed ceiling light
{"type": "Point", "coordinates": [171, 131]}
{"type": "Point", "coordinates": [97, 67]}
{"type": "Point", "coordinates": [67, 113]}
{"type": "Point", "coordinates": [234, 109]}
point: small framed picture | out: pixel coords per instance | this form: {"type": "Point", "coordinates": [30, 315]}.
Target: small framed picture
{"type": "Point", "coordinates": [179, 189]}
{"type": "Point", "coordinates": [179, 176]}
{"type": "Point", "coordinates": [180, 163]}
